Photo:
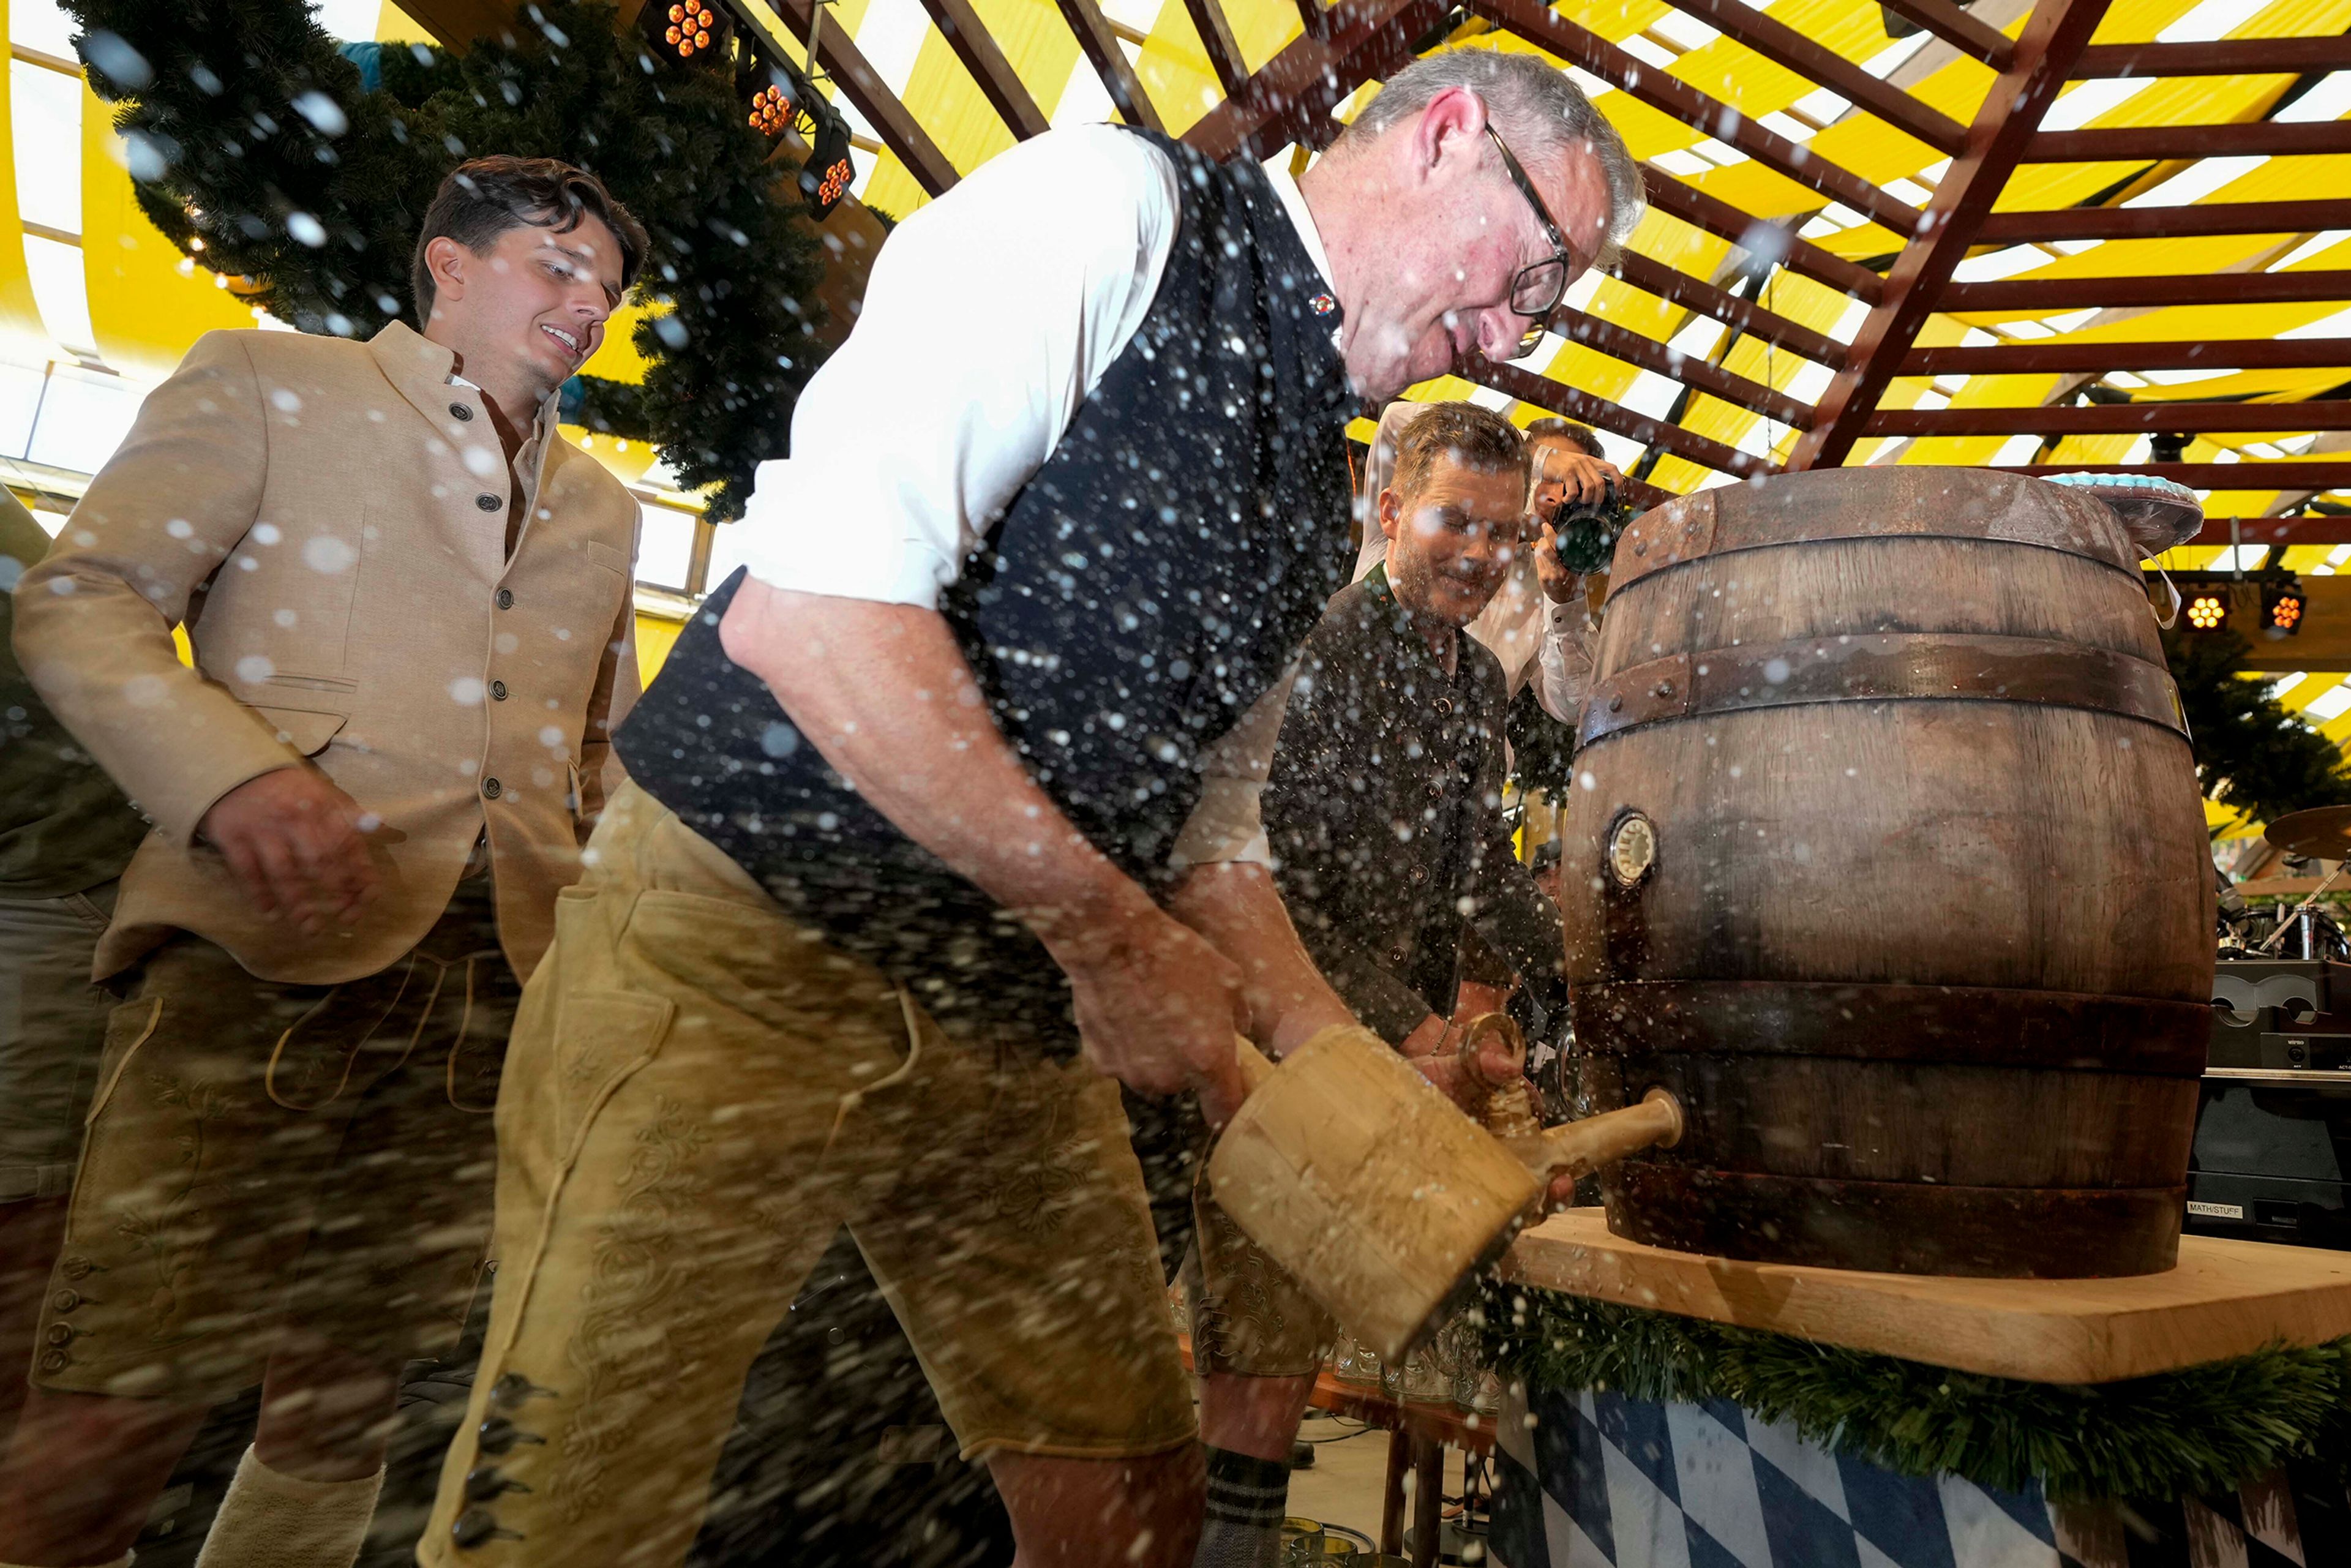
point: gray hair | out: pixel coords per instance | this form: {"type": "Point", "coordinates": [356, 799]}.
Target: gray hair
{"type": "Point", "coordinates": [1534, 105]}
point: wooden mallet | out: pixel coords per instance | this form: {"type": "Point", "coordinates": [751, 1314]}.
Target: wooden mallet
{"type": "Point", "coordinates": [1381, 1199]}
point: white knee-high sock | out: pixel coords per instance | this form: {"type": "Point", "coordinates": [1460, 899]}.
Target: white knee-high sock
{"type": "Point", "coordinates": [269, 1520]}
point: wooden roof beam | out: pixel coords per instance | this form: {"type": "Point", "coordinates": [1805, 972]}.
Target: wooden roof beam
{"type": "Point", "coordinates": [2220, 57]}
{"type": "Point", "coordinates": [2113, 419]}
{"type": "Point", "coordinates": [2217, 354]}
{"type": "Point", "coordinates": [2289, 531]}
{"type": "Point", "coordinates": [2143, 143]}
{"type": "Point", "coordinates": [1110, 62]}
{"type": "Point", "coordinates": [2054, 35]}
{"type": "Point", "coordinates": [1698, 375]}
{"type": "Point", "coordinates": [1216, 39]}
{"type": "Point", "coordinates": [2026, 296]}
{"type": "Point", "coordinates": [1956, 28]}
{"type": "Point", "coordinates": [1292, 98]}
{"type": "Point", "coordinates": [1561, 399]}
{"type": "Point", "coordinates": [1719, 217]}
{"type": "Point", "coordinates": [1547, 29]}
{"type": "Point", "coordinates": [960, 26]}
{"type": "Point", "coordinates": [1670, 283]}
{"type": "Point", "coordinates": [1783, 46]}
{"type": "Point", "coordinates": [2164, 222]}
{"type": "Point", "coordinates": [864, 87]}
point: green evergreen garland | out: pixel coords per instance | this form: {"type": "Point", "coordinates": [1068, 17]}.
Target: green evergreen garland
{"type": "Point", "coordinates": [257, 149]}
{"type": "Point", "coordinates": [2250, 753]}
{"type": "Point", "coordinates": [2200, 1430]}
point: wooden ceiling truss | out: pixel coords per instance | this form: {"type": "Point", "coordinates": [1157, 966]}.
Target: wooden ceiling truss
{"type": "Point", "coordinates": [1291, 100]}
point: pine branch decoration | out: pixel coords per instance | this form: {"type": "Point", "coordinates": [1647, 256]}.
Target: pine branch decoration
{"type": "Point", "coordinates": [261, 148]}
{"type": "Point", "coordinates": [2201, 1430]}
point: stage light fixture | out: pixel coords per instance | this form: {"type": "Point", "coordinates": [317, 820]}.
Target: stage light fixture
{"type": "Point", "coordinates": [2281, 607]}
{"type": "Point", "coordinates": [2208, 610]}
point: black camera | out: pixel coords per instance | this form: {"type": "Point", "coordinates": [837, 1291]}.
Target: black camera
{"type": "Point", "coordinates": [1587, 530]}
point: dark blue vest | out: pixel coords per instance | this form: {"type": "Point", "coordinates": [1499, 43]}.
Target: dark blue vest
{"type": "Point", "coordinates": [1140, 592]}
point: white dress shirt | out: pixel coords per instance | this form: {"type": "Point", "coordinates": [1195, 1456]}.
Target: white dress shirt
{"type": "Point", "coordinates": [988, 317]}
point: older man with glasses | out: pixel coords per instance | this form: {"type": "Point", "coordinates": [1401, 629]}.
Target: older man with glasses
{"type": "Point", "coordinates": [951, 796]}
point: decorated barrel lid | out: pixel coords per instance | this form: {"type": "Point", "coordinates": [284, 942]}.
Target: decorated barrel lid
{"type": "Point", "coordinates": [2158, 514]}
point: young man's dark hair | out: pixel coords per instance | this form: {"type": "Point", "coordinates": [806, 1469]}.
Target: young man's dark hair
{"type": "Point", "coordinates": [1461, 432]}
{"type": "Point", "coordinates": [1579, 436]}
{"type": "Point", "coordinates": [482, 199]}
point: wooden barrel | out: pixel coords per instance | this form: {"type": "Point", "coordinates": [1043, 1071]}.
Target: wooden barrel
{"type": "Point", "coordinates": [1886, 858]}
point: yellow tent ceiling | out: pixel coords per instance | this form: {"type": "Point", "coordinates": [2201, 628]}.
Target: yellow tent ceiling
{"type": "Point", "coordinates": [140, 305]}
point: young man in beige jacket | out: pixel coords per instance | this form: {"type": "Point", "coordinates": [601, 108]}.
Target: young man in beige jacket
{"type": "Point", "coordinates": [410, 604]}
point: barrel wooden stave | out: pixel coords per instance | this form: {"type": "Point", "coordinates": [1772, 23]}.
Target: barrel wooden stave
{"type": "Point", "coordinates": [1900, 1122]}
{"type": "Point", "coordinates": [2046, 852]}
{"type": "Point", "coordinates": [1892, 584]}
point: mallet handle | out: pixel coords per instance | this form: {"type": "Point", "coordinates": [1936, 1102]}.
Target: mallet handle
{"type": "Point", "coordinates": [1583, 1146]}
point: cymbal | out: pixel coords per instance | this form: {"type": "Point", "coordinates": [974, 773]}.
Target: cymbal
{"type": "Point", "coordinates": [2323, 833]}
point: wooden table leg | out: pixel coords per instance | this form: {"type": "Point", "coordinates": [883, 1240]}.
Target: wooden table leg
{"type": "Point", "coordinates": [1391, 1493]}
{"type": "Point", "coordinates": [1427, 1500]}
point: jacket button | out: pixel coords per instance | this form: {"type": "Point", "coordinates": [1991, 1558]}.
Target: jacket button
{"type": "Point", "coordinates": [75, 1268]}
{"type": "Point", "coordinates": [1397, 955]}
{"type": "Point", "coordinates": [484, 1484]}
{"type": "Point", "coordinates": [1444, 705]}
{"type": "Point", "coordinates": [487, 502]}
{"type": "Point", "coordinates": [505, 599]}
{"type": "Point", "coordinates": [53, 1361]}
{"type": "Point", "coordinates": [65, 1301]}
{"type": "Point", "coordinates": [1419, 875]}
{"type": "Point", "coordinates": [459, 411]}
{"type": "Point", "coordinates": [498, 691]}
{"type": "Point", "coordinates": [1434, 790]}
{"type": "Point", "coordinates": [474, 1526]}
{"type": "Point", "coordinates": [492, 788]}
{"type": "Point", "coordinates": [496, 1435]}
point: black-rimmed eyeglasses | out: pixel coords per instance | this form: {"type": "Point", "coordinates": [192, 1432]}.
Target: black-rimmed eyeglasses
{"type": "Point", "coordinates": [1538, 288]}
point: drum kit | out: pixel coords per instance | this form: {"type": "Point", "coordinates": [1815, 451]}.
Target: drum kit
{"type": "Point", "coordinates": [2305, 931]}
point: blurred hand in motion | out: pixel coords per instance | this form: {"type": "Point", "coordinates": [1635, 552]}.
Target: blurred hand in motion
{"type": "Point", "coordinates": [1435, 1048]}
{"type": "Point", "coordinates": [296, 844]}
{"type": "Point", "coordinates": [1157, 1007]}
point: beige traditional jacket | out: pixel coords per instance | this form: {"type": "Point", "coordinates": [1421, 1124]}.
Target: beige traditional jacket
{"type": "Point", "coordinates": [329, 519]}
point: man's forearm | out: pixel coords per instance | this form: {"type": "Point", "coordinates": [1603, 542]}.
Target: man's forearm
{"type": "Point", "coordinates": [884, 694]}
{"type": "Point", "coordinates": [1236, 907]}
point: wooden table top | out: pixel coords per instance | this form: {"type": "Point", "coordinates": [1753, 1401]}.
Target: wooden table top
{"type": "Point", "coordinates": [2225, 1299]}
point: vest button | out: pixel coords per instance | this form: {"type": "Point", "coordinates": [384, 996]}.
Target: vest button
{"type": "Point", "coordinates": [461, 412]}
{"type": "Point", "coordinates": [492, 788]}
{"type": "Point", "coordinates": [498, 690]}
{"type": "Point", "coordinates": [53, 1361]}
{"type": "Point", "coordinates": [75, 1268]}
{"type": "Point", "coordinates": [59, 1334]}
{"type": "Point", "coordinates": [65, 1301]}
{"type": "Point", "coordinates": [487, 502]}
{"type": "Point", "coordinates": [505, 599]}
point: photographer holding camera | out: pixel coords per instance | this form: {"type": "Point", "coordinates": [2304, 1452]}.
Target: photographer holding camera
{"type": "Point", "coordinates": [1576, 515]}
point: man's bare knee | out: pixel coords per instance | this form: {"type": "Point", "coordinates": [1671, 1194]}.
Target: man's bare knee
{"type": "Point", "coordinates": [326, 1413]}
{"type": "Point", "coordinates": [1139, 1513]}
